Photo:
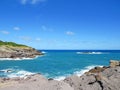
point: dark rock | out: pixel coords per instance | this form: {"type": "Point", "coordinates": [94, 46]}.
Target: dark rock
{"type": "Point", "coordinates": [8, 71]}
{"type": "Point", "coordinates": [50, 79]}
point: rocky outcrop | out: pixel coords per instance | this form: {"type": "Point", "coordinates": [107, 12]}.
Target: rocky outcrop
{"type": "Point", "coordinates": [99, 78]}
{"type": "Point", "coordinates": [18, 52]}
{"type": "Point", "coordinates": [114, 63]}
{"type": "Point", "coordinates": [106, 78]}
{"type": "Point", "coordinates": [33, 82]}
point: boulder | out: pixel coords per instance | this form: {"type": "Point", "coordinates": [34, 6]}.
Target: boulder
{"type": "Point", "coordinates": [114, 63]}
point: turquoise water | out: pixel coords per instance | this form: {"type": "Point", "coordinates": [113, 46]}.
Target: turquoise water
{"type": "Point", "coordinates": [58, 63]}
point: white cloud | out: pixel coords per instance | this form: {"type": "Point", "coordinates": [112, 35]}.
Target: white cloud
{"type": "Point", "coordinates": [25, 38]}
{"type": "Point", "coordinates": [29, 39]}
{"type": "Point", "coordinates": [44, 28]}
{"type": "Point", "coordinates": [32, 1]}
{"type": "Point", "coordinates": [24, 1]}
{"type": "Point", "coordinates": [16, 28]}
{"type": "Point", "coordinates": [70, 33]}
{"type": "Point", "coordinates": [4, 32]}
{"type": "Point", "coordinates": [37, 1]}
{"type": "Point", "coordinates": [38, 39]}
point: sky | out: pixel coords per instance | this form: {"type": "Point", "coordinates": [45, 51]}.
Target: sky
{"type": "Point", "coordinates": [61, 24]}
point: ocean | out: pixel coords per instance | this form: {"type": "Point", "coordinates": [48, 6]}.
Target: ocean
{"type": "Point", "coordinates": [58, 64]}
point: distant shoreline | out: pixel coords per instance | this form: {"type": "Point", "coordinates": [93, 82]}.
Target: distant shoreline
{"type": "Point", "coordinates": [23, 58]}
{"type": "Point", "coordinates": [14, 51]}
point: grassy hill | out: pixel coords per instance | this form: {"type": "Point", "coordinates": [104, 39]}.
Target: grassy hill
{"type": "Point", "coordinates": [11, 44]}
{"type": "Point", "coordinates": [13, 50]}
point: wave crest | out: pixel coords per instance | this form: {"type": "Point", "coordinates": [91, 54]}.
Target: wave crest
{"type": "Point", "coordinates": [89, 53]}
{"type": "Point", "coordinates": [78, 73]}
{"type": "Point", "coordinates": [11, 73]}
{"type": "Point", "coordinates": [86, 69]}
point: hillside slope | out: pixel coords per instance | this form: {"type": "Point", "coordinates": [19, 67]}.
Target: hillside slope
{"type": "Point", "coordinates": [13, 50]}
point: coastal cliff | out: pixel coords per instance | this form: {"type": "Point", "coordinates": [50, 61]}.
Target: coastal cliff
{"type": "Point", "coordinates": [13, 50]}
{"type": "Point", "coordinates": [98, 78]}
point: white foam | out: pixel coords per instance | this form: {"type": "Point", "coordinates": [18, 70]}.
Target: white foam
{"type": "Point", "coordinates": [11, 73]}
{"type": "Point", "coordinates": [60, 78]}
{"type": "Point", "coordinates": [7, 70]}
{"type": "Point", "coordinates": [89, 52]}
{"type": "Point", "coordinates": [19, 58]}
{"type": "Point", "coordinates": [78, 73]}
{"type": "Point", "coordinates": [86, 69]}
{"type": "Point", "coordinates": [20, 74]}
{"type": "Point", "coordinates": [44, 52]}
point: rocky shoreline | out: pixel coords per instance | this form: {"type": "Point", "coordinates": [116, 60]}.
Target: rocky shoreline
{"type": "Point", "coordinates": [98, 78]}
{"type": "Point", "coordinates": [18, 52]}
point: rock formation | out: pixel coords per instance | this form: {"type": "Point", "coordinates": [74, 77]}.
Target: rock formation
{"type": "Point", "coordinates": [13, 50]}
{"type": "Point", "coordinates": [33, 82]}
{"type": "Point", "coordinates": [114, 63]}
{"type": "Point", "coordinates": [106, 78]}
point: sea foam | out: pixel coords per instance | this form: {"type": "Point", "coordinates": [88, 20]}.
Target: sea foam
{"type": "Point", "coordinates": [11, 73]}
{"type": "Point", "coordinates": [89, 53]}
{"type": "Point", "coordinates": [20, 74]}
{"type": "Point", "coordinates": [86, 69]}
{"type": "Point", "coordinates": [18, 58]}
{"type": "Point", "coordinates": [78, 73]}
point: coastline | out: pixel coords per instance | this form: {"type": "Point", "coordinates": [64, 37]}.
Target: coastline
{"type": "Point", "coordinates": [23, 58]}
{"type": "Point", "coordinates": [11, 50]}
{"type": "Point", "coordinates": [11, 72]}
{"type": "Point", "coordinates": [77, 73]}
{"type": "Point", "coordinates": [98, 78]}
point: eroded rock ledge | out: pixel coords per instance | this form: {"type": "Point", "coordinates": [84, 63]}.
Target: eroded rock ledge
{"type": "Point", "coordinates": [13, 51]}
{"type": "Point", "coordinates": [99, 78]}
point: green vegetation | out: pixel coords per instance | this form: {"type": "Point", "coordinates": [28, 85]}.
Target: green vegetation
{"type": "Point", "coordinates": [11, 44]}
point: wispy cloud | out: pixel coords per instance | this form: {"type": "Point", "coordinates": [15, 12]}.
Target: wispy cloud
{"type": "Point", "coordinates": [16, 28]}
{"type": "Point", "coordinates": [37, 39]}
{"type": "Point", "coordinates": [25, 38]}
{"type": "Point", "coordinates": [29, 39]}
{"type": "Point", "coordinates": [23, 1]}
{"type": "Point", "coordinates": [4, 32]}
{"type": "Point", "coordinates": [70, 33]}
{"type": "Point", "coordinates": [32, 1]}
{"type": "Point", "coordinates": [37, 1]}
{"type": "Point", "coordinates": [45, 28]}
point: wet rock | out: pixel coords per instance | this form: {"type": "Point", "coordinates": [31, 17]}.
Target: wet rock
{"type": "Point", "coordinates": [50, 79]}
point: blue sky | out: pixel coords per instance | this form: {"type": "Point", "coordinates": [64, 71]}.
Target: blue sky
{"type": "Point", "coordinates": [61, 24]}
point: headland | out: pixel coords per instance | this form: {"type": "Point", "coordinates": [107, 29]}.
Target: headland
{"type": "Point", "coordinates": [12, 50]}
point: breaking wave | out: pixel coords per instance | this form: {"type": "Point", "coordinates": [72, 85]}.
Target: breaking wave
{"type": "Point", "coordinates": [78, 73]}
{"type": "Point", "coordinates": [90, 53]}
{"type": "Point", "coordinates": [18, 58]}
{"type": "Point", "coordinates": [11, 73]}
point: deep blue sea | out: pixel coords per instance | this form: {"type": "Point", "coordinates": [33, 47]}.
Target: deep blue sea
{"type": "Point", "coordinates": [58, 64]}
